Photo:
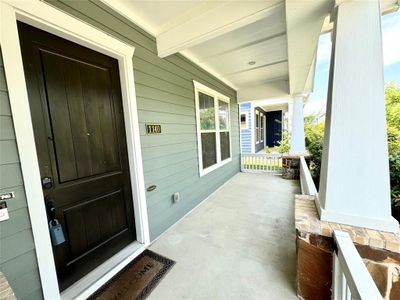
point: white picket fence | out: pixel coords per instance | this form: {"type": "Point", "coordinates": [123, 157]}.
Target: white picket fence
{"type": "Point", "coordinates": [261, 163]}
{"type": "Point", "coordinates": [351, 279]}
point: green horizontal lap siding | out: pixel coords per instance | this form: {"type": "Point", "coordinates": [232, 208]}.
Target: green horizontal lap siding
{"type": "Point", "coordinates": [17, 250]}
{"type": "Point", "coordinates": [165, 95]}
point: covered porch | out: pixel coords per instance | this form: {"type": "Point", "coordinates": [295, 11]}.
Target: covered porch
{"type": "Point", "coordinates": [238, 244]}
{"type": "Point", "coordinates": [175, 71]}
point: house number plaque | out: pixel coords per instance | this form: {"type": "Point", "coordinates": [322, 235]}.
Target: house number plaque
{"type": "Point", "coordinates": [153, 129]}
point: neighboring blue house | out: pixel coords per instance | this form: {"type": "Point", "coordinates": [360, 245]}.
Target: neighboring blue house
{"type": "Point", "coordinates": [246, 126]}
{"type": "Point", "coordinates": [261, 125]}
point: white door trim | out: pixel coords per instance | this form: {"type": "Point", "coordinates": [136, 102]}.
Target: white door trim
{"type": "Point", "coordinates": [50, 19]}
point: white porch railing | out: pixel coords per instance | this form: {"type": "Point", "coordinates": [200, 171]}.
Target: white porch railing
{"type": "Point", "coordinates": [351, 279]}
{"type": "Point", "coordinates": [261, 163]}
{"type": "Point", "coordinates": [306, 181]}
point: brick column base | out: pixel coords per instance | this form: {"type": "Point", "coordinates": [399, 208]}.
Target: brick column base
{"type": "Point", "coordinates": [379, 250]}
{"type": "Point", "coordinates": [291, 166]}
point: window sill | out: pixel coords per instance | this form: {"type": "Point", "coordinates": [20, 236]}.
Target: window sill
{"type": "Point", "coordinates": [214, 167]}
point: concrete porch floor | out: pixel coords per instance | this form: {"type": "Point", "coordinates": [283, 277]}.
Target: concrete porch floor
{"type": "Point", "coordinates": [239, 244]}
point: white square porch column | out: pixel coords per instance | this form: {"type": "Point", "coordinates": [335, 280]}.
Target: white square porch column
{"type": "Point", "coordinates": [355, 186]}
{"type": "Point", "coordinates": [297, 141]}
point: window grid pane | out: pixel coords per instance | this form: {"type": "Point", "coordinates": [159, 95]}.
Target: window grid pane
{"type": "Point", "coordinates": [225, 145]}
{"type": "Point", "coordinates": [223, 113]}
{"type": "Point", "coordinates": [208, 146]}
{"type": "Point", "coordinates": [207, 112]}
{"type": "Point", "coordinates": [262, 128]}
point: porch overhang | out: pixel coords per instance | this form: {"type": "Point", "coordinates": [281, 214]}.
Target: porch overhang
{"type": "Point", "coordinates": [262, 49]}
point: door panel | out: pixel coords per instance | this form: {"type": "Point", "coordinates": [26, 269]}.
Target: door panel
{"type": "Point", "coordinates": [76, 107]}
{"type": "Point", "coordinates": [80, 111]}
{"type": "Point", "coordinates": [97, 220]}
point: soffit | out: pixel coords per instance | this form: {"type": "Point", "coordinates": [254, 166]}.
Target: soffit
{"type": "Point", "coordinates": [223, 37]}
{"type": "Point", "coordinates": [260, 36]}
{"type": "Point", "coordinates": [250, 55]}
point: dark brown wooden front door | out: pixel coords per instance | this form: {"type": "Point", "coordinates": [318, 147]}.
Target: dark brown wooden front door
{"type": "Point", "coordinates": [77, 115]}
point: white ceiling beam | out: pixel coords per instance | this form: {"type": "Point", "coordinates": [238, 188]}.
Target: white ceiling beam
{"type": "Point", "coordinates": [270, 90]}
{"type": "Point", "coordinates": [304, 21]}
{"type": "Point", "coordinates": [218, 20]}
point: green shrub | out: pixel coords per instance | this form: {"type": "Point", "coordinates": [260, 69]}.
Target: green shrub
{"type": "Point", "coordinates": [284, 144]}
{"type": "Point", "coordinates": [314, 137]}
{"type": "Point", "coordinates": [392, 99]}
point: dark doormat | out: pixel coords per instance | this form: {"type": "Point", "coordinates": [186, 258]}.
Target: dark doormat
{"type": "Point", "coordinates": [137, 279]}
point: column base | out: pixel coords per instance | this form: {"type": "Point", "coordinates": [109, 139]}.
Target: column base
{"type": "Point", "coordinates": [379, 250]}
{"type": "Point", "coordinates": [388, 224]}
{"type": "Point", "coordinates": [291, 166]}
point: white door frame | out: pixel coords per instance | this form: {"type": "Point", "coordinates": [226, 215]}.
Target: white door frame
{"type": "Point", "coordinates": [50, 19]}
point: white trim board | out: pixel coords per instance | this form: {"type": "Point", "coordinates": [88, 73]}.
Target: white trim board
{"type": "Point", "coordinates": [253, 128]}
{"type": "Point", "coordinates": [45, 17]}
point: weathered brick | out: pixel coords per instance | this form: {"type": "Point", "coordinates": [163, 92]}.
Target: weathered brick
{"type": "Point", "coordinates": [335, 226]}
{"type": "Point", "coordinates": [307, 220]}
{"type": "Point", "coordinates": [395, 291]}
{"type": "Point", "coordinates": [315, 226]}
{"type": "Point", "coordinates": [314, 277]}
{"type": "Point", "coordinates": [326, 229]}
{"type": "Point", "coordinates": [375, 239]}
{"type": "Point", "coordinates": [380, 274]}
{"type": "Point", "coordinates": [393, 245]}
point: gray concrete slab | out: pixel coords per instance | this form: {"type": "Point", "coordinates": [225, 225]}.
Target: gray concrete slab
{"type": "Point", "coordinates": [239, 244]}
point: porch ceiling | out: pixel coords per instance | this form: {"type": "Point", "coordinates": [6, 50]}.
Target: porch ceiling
{"type": "Point", "coordinates": [263, 49]}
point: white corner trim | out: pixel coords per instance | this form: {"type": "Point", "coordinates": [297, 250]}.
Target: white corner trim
{"type": "Point", "coordinates": [199, 87]}
{"type": "Point", "coordinates": [45, 17]}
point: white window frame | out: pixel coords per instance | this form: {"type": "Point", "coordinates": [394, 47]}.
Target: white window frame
{"type": "Point", "coordinates": [262, 127]}
{"type": "Point", "coordinates": [257, 119]}
{"type": "Point", "coordinates": [247, 120]}
{"type": "Point", "coordinates": [198, 87]}
{"type": "Point", "coordinates": [43, 16]}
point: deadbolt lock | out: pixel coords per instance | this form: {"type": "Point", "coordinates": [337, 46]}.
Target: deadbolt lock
{"type": "Point", "coordinates": [47, 183]}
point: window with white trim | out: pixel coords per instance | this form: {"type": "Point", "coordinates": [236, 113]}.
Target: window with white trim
{"type": "Point", "coordinates": [257, 126]}
{"type": "Point", "coordinates": [243, 121]}
{"type": "Point", "coordinates": [213, 128]}
{"type": "Point", "coordinates": [262, 128]}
